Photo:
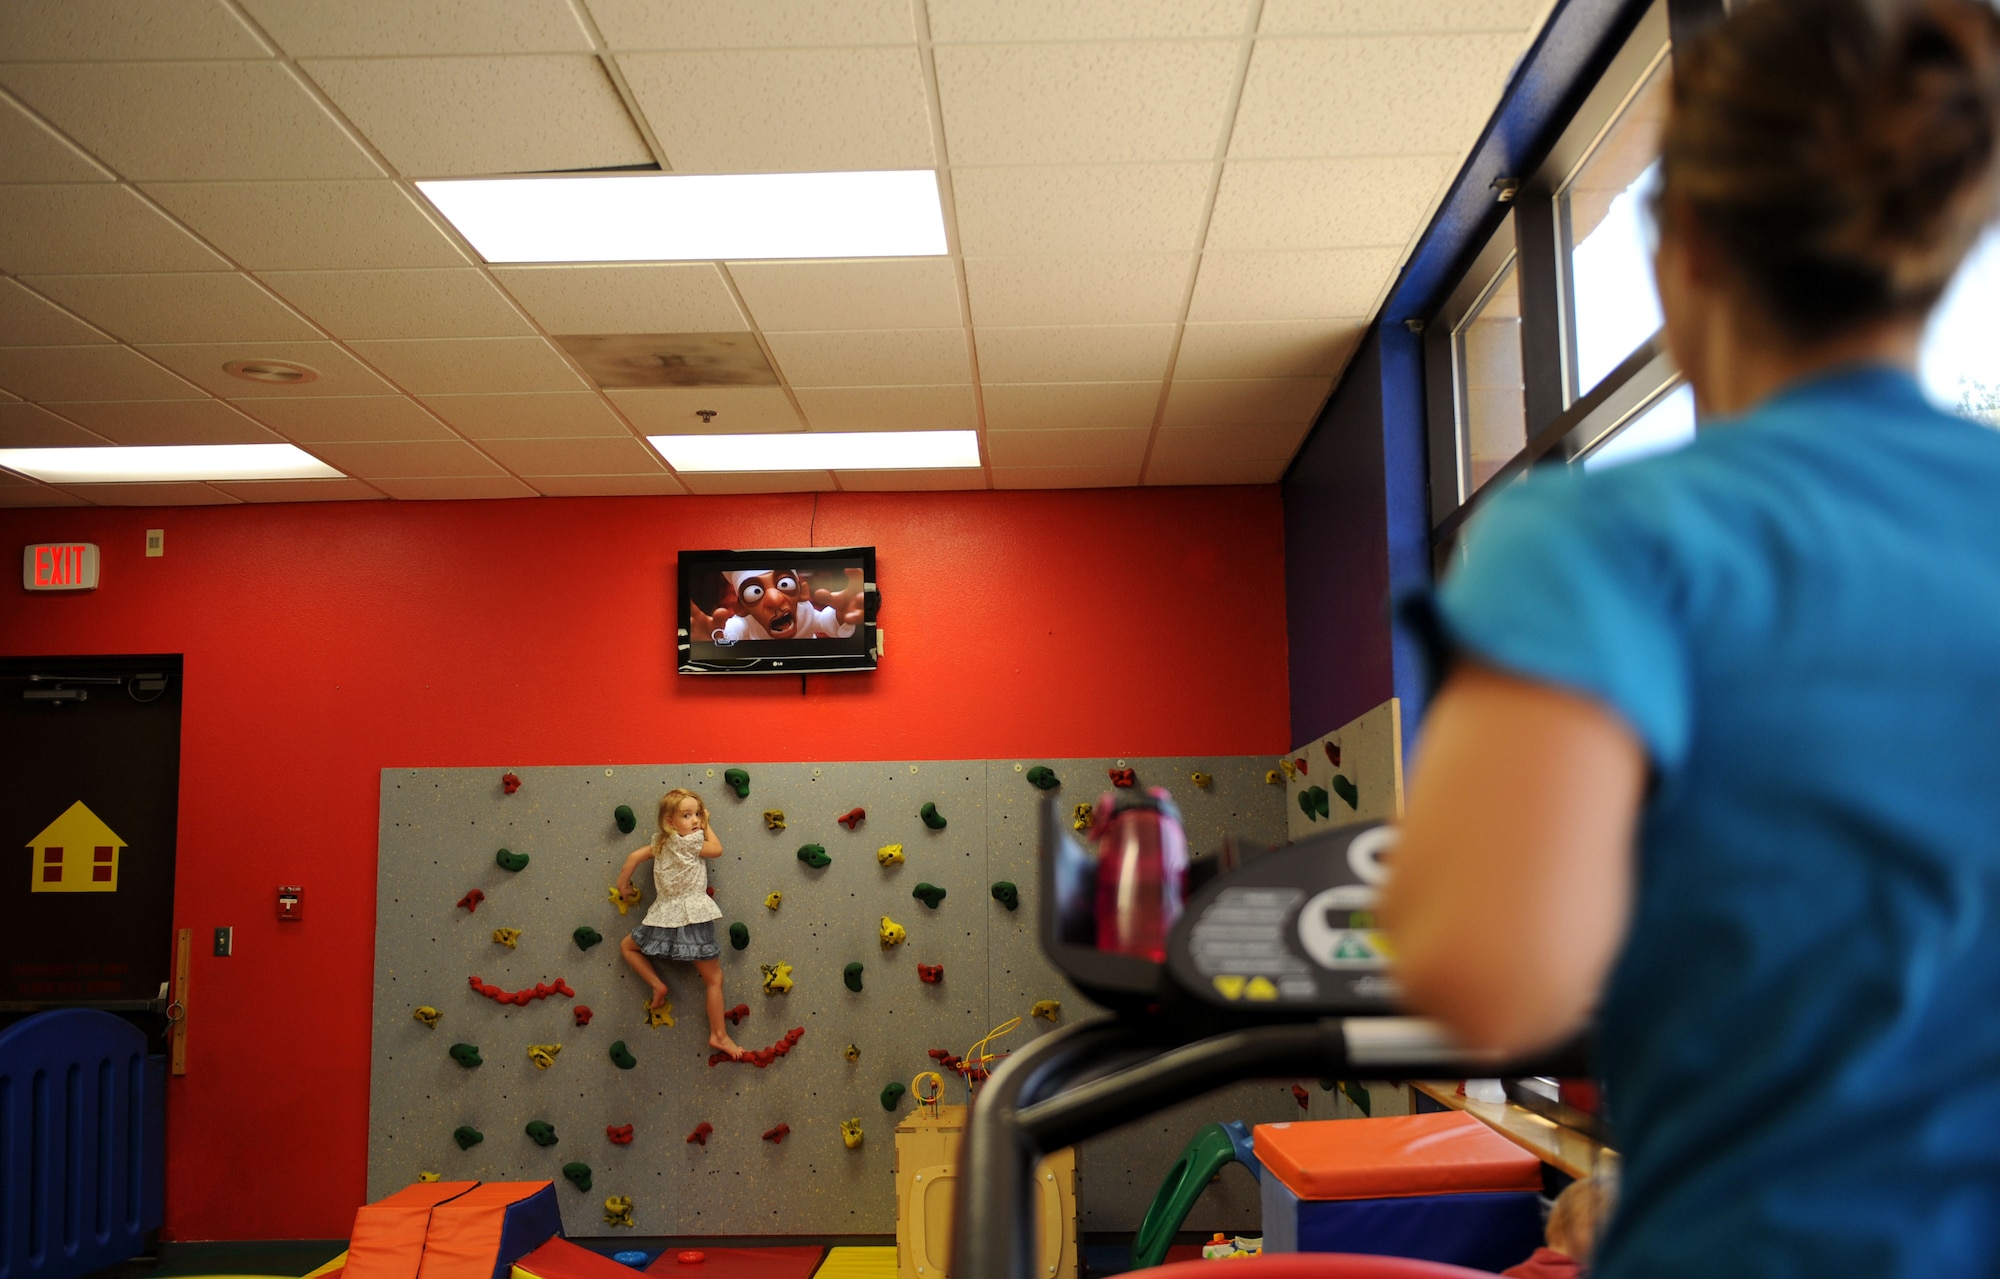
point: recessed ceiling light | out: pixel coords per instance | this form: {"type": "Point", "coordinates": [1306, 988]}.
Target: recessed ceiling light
{"type": "Point", "coordinates": [132, 464]}
{"type": "Point", "coordinates": [276, 372]}
{"type": "Point", "coordinates": [821, 451]}
{"type": "Point", "coordinates": [696, 217]}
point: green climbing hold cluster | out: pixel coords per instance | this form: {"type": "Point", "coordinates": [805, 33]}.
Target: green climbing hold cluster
{"type": "Point", "coordinates": [1312, 802]}
{"type": "Point", "coordinates": [1007, 894]}
{"type": "Point", "coordinates": [852, 976]}
{"type": "Point", "coordinates": [932, 817]}
{"type": "Point", "coordinates": [929, 894]}
{"type": "Point", "coordinates": [1042, 777]}
{"type": "Point", "coordinates": [1349, 793]}
{"type": "Point", "coordinates": [814, 856]}
{"type": "Point", "coordinates": [578, 1175]}
{"type": "Point", "coordinates": [510, 861]}
{"type": "Point", "coordinates": [466, 1055]}
{"type": "Point", "coordinates": [626, 819]}
{"type": "Point", "coordinates": [467, 1136]}
{"type": "Point", "coordinates": [586, 937]}
{"type": "Point", "coordinates": [621, 1057]}
{"type": "Point", "coordinates": [543, 1134]}
{"type": "Point", "coordinates": [737, 780]}
{"type": "Point", "coordinates": [739, 935]}
{"type": "Point", "coordinates": [891, 1094]}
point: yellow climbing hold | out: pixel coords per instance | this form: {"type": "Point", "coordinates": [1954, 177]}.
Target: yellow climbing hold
{"type": "Point", "coordinates": [543, 1055]}
{"type": "Point", "coordinates": [774, 819]}
{"type": "Point", "coordinates": [428, 1176]}
{"type": "Point", "coordinates": [1046, 1009]}
{"type": "Point", "coordinates": [622, 903]}
{"type": "Point", "coordinates": [892, 933]}
{"type": "Point", "coordinates": [618, 1211]}
{"type": "Point", "coordinates": [1291, 769]}
{"type": "Point", "coordinates": [428, 1016]}
{"type": "Point", "coordinates": [1272, 777]}
{"type": "Point", "coordinates": [889, 855]}
{"type": "Point", "coordinates": [850, 1132]}
{"type": "Point", "coordinates": [854, 1052]}
{"type": "Point", "coordinates": [507, 936]}
{"type": "Point", "coordinates": [772, 900]}
{"type": "Point", "coordinates": [777, 978]}
{"type": "Point", "coordinates": [1079, 818]}
{"type": "Point", "coordinates": [1203, 780]}
{"type": "Point", "coordinates": [661, 1016]}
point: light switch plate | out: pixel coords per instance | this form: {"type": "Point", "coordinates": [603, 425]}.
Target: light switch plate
{"type": "Point", "coordinates": [225, 942]}
{"type": "Point", "coordinates": [156, 543]}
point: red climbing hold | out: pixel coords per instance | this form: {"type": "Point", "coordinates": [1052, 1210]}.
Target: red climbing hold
{"type": "Point", "coordinates": [524, 997]}
{"type": "Point", "coordinates": [509, 783]}
{"type": "Point", "coordinates": [1333, 754]}
{"type": "Point", "coordinates": [852, 817]}
{"type": "Point", "coordinates": [1124, 777]}
{"type": "Point", "coordinates": [470, 902]}
{"type": "Point", "coordinates": [543, 990]}
{"type": "Point", "coordinates": [699, 1137]}
{"type": "Point", "coordinates": [1300, 1095]}
{"type": "Point", "coordinates": [691, 1257]}
{"type": "Point", "coordinates": [582, 1014]}
{"type": "Point", "coordinates": [1300, 764]}
{"type": "Point", "coordinates": [711, 891]}
{"type": "Point", "coordinates": [762, 1057]}
{"type": "Point", "coordinates": [561, 987]}
{"type": "Point", "coordinates": [777, 1135]}
{"type": "Point", "coordinates": [737, 1014]}
{"type": "Point", "coordinates": [930, 974]}
{"type": "Point", "coordinates": [620, 1134]}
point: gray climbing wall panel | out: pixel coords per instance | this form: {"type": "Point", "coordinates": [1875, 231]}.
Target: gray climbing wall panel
{"type": "Point", "coordinates": [440, 829]}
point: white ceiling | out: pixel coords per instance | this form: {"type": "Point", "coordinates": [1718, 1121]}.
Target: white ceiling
{"type": "Point", "coordinates": [1169, 221]}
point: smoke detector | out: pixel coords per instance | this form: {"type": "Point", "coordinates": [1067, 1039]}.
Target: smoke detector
{"type": "Point", "coordinates": [271, 372]}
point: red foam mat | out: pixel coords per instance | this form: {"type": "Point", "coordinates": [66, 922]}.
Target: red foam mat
{"type": "Point", "coordinates": [738, 1263]}
{"type": "Point", "coordinates": [561, 1259]}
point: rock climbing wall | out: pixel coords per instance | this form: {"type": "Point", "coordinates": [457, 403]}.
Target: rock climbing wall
{"type": "Point", "coordinates": [1353, 774]}
{"type": "Point", "coordinates": [440, 832]}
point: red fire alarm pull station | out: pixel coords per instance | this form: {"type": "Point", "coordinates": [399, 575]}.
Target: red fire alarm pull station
{"type": "Point", "coordinates": [290, 905]}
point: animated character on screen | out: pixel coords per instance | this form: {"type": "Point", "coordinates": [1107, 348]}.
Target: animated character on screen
{"type": "Point", "coordinates": [781, 604]}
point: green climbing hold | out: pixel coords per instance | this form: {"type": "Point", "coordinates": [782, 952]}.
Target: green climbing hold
{"type": "Point", "coordinates": [814, 856]}
{"type": "Point", "coordinates": [467, 1137]}
{"type": "Point", "coordinates": [1006, 894]}
{"type": "Point", "coordinates": [466, 1055]}
{"type": "Point", "coordinates": [737, 780]}
{"type": "Point", "coordinates": [1318, 794]}
{"type": "Point", "coordinates": [929, 894]}
{"type": "Point", "coordinates": [1347, 790]}
{"type": "Point", "coordinates": [511, 861]}
{"type": "Point", "coordinates": [586, 937]}
{"type": "Point", "coordinates": [578, 1174]}
{"type": "Point", "coordinates": [852, 975]}
{"type": "Point", "coordinates": [1306, 805]}
{"type": "Point", "coordinates": [1042, 777]}
{"type": "Point", "coordinates": [892, 1094]}
{"type": "Point", "coordinates": [543, 1134]}
{"type": "Point", "coordinates": [627, 822]}
{"type": "Point", "coordinates": [932, 817]}
{"type": "Point", "coordinates": [739, 935]}
{"type": "Point", "coordinates": [621, 1057]}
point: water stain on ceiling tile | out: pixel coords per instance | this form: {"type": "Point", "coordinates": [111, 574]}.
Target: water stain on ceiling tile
{"type": "Point", "coordinates": [627, 360]}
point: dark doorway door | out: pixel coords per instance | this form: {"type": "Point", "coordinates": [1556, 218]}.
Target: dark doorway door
{"type": "Point", "coordinates": [90, 756]}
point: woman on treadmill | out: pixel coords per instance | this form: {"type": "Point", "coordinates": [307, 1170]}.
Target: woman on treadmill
{"type": "Point", "coordinates": [1719, 755]}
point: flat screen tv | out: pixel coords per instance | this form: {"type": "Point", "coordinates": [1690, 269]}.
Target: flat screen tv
{"type": "Point", "coordinates": [778, 611]}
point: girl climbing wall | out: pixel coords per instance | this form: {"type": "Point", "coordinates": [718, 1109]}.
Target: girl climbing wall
{"type": "Point", "coordinates": [681, 923]}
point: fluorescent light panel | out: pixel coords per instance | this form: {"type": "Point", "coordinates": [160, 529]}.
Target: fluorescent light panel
{"type": "Point", "coordinates": [822, 451]}
{"type": "Point", "coordinates": [660, 217]}
{"type": "Point", "coordinates": [136, 463]}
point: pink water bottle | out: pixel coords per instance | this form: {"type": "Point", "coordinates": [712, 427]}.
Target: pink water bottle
{"type": "Point", "coordinates": [1142, 863]}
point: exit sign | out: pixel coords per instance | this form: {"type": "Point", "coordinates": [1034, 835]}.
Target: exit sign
{"type": "Point", "coordinates": [59, 566]}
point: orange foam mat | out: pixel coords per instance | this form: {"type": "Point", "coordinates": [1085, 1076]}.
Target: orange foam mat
{"type": "Point", "coordinates": [1447, 1153]}
{"type": "Point", "coordinates": [388, 1238]}
{"type": "Point", "coordinates": [467, 1233]}
{"type": "Point", "coordinates": [738, 1263]}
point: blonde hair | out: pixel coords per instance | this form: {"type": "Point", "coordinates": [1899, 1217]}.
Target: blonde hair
{"type": "Point", "coordinates": [670, 803]}
{"type": "Point", "coordinates": [1580, 1214]}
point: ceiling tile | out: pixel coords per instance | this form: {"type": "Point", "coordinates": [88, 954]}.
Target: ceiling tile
{"type": "Point", "coordinates": [146, 422]}
{"type": "Point", "coordinates": [205, 306]}
{"type": "Point", "coordinates": [912, 481]}
{"type": "Point", "coordinates": [21, 496]}
{"type": "Point", "coordinates": [453, 490]}
{"type": "Point", "coordinates": [1053, 406]}
{"type": "Point", "coordinates": [530, 416]}
{"type": "Point", "coordinates": [1331, 283]}
{"type": "Point", "coordinates": [1374, 95]}
{"type": "Point", "coordinates": [24, 426]}
{"type": "Point", "coordinates": [1128, 208]}
{"type": "Point", "coordinates": [36, 153]}
{"type": "Point", "coordinates": [348, 419]}
{"type": "Point", "coordinates": [955, 21]}
{"type": "Point", "coordinates": [299, 490]}
{"type": "Point", "coordinates": [160, 121]}
{"type": "Point", "coordinates": [410, 459]}
{"type": "Point", "coordinates": [449, 366]}
{"type": "Point", "coordinates": [881, 293]}
{"type": "Point", "coordinates": [1235, 470]}
{"type": "Point", "coordinates": [1374, 17]}
{"type": "Point", "coordinates": [1065, 477]}
{"type": "Point", "coordinates": [1124, 352]}
{"type": "Point", "coordinates": [168, 494]}
{"type": "Point", "coordinates": [1325, 204]}
{"type": "Point", "coordinates": [785, 110]}
{"type": "Point", "coordinates": [1066, 448]}
{"type": "Point", "coordinates": [671, 297]}
{"type": "Point", "coordinates": [889, 408]}
{"type": "Point", "coordinates": [105, 30]}
{"type": "Point", "coordinates": [1225, 403]}
{"type": "Point", "coordinates": [302, 226]}
{"type": "Point", "coordinates": [875, 357]}
{"type": "Point", "coordinates": [443, 302]}
{"type": "Point", "coordinates": [400, 28]}
{"type": "Point", "coordinates": [739, 410]}
{"type": "Point", "coordinates": [534, 459]}
{"type": "Point", "coordinates": [751, 24]}
{"type": "Point", "coordinates": [1195, 445]}
{"type": "Point", "coordinates": [55, 373]}
{"type": "Point", "coordinates": [29, 320]}
{"type": "Point", "coordinates": [201, 363]}
{"type": "Point", "coordinates": [1097, 289]}
{"type": "Point", "coordinates": [658, 484]}
{"type": "Point", "coordinates": [1276, 348]}
{"type": "Point", "coordinates": [92, 227]}
{"type": "Point", "coordinates": [707, 482]}
{"type": "Point", "coordinates": [1085, 103]}
{"type": "Point", "coordinates": [437, 117]}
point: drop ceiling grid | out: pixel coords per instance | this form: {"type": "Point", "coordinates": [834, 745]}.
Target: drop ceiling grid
{"type": "Point", "coordinates": [1282, 231]}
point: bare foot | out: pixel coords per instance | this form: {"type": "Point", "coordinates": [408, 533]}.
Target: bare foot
{"type": "Point", "coordinates": [659, 996]}
{"type": "Point", "coordinates": [721, 1042]}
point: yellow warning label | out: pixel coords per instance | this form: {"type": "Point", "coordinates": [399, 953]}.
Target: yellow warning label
{"type": "Point", "coordinates": [1260, 988]}
{"type": "Point", "coordinates": [1231, 987]}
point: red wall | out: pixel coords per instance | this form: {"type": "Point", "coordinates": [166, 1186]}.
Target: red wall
{"type": "Point", "coordinates": [326, 642]}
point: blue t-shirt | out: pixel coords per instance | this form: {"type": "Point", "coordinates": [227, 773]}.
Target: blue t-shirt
{"type": "Point", "coordinates": [1799, 617]}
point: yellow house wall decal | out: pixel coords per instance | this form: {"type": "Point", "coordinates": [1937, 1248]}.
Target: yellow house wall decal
{"type": "Point", "coordinates": [78, 853]}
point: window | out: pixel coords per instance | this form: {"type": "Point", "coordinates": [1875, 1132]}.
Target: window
{"type": "Point", "coordinates": [1664, 425]}
{"type": "Point", "coordinates": [1493, 413]}
{"type": "Point", "coordinates": [1959, 363]}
